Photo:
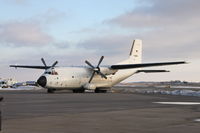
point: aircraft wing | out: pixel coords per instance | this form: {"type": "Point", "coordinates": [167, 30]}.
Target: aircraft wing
{"type": "Point", "coordinates": [130, 66]}
{"type": "Point", "coordinates": [34, 67]}
{"type": "Point", "coordinates": [120, 66]}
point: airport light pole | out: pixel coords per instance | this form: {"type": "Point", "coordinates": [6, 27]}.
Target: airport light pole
{"type": "Point", "coordinates": [1, 98]}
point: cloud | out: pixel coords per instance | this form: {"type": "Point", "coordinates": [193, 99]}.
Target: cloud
{"type": "Point", "coordinates": [32, 31]}
{"type": "Point", "coordinates": [22, 40]}
{"type": "Point", "coordinates": [50, 16]}
{"type": "Point", "coordinates": [112, 44]}
{"type": "Point", "coordinates": [160, 13]}
{"type": "Point", "coordinates": [24, 34]}
{"type": "Point", "coordinates": [168, 28]}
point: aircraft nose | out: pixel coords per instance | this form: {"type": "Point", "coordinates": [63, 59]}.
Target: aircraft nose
{"type": "Point", "coordinates": [42, 81]}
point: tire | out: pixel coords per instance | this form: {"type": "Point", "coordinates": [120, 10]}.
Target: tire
{"type": "Point", "coordinates": [81, 90]}
{"type": "Point", "coordinates": [100, 91]}
{"type": "Point", "coordinates": [78, 90]}
{"type": "Point", "coordinates": [50, 91]}
{"type": "Point", "coordinates": [75, 91]}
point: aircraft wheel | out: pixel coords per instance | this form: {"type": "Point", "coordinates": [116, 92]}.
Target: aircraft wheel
{"type": "Point", "coordinates": [81, 90]}
{"type": "Point", "coordinates": [50, 91]}
{"type": "Point", "coordinates": [75, 91]}
{"type": "Point", "coordinates": [100, 91]}
{"type": "Point", "coordinates": [78, 91]}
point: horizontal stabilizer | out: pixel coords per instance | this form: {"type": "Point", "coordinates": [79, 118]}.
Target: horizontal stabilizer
{"type": "Point", "coordinates": [152, 71]}
{"type": "Point", "coordinates": [130, 66]}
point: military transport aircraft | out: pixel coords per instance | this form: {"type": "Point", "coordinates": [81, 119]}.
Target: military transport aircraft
{"type": "Point", "coordinates": [97, 78]}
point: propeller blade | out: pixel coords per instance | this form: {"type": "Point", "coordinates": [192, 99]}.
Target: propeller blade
{"type": "Point", "coordinates": [43, 61]}
{"type": "Point", "coordinates": [54, 64]}
{"type": "Point", "coordinates": [89, 64]}
{"type": "Point", "coordinates": [92, 76]}
{"type": "Point", "coordinates": [96, 69]}
{"type": "Point", "coordinates": [101, 59]}
{"type": "Point", "coordinates": [102, 75]}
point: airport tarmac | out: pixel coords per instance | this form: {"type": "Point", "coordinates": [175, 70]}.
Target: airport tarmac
{"type": "Point", "coordinates": [35, 111]}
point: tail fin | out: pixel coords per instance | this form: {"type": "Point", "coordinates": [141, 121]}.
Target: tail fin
{"type": "Point", "coordinates": [136, 51]}
{"type": "Point", "coordinates": [135, 56]}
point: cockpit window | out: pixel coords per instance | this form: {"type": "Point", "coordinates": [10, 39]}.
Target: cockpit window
{"type": "Point", "coordinates": [47, 73]}
{"type": "Point", "coordinates": [53, 72]}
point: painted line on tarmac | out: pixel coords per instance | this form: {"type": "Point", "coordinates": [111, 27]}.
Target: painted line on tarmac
{"type": "Point", "coordinates": [179, 103]}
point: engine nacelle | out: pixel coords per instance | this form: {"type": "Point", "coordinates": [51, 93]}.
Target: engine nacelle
{"type": "Point", "coordinates": [90, 86]}
{"type": "Point", "coordinates": [107, 71]}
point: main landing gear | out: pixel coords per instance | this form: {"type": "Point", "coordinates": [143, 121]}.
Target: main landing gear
{"type": "Point", "coordinates": [78, 90]}
{"type": "Point", "coordinates": [100, 91]}
{"type": "Point", "coordinates": [50, 90]}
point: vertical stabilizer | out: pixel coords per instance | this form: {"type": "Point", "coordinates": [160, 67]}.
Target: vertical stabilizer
{"type": "Point", "coordinates": [135, 55]}
{"type": "Point", "coordinates": [136, 51]}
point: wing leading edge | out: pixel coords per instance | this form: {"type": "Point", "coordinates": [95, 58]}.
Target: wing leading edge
{"type": "Point", "coordinates": [130, 66]}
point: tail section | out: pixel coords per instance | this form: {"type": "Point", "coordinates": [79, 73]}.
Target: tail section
{"type": "Point", "coordinates": [136, 51]}
{"type": "Point", "coordinates": [135, 55]}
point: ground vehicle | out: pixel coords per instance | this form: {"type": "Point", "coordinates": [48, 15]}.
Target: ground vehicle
{"type": "Point", "coordinates": [6, 83]}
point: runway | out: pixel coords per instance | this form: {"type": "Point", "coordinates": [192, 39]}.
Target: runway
{"type": "Point", "coordinates": [36, 111]}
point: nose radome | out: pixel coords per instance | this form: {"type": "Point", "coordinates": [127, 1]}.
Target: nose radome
{"type": "Point", "coordinates": [42, 81]}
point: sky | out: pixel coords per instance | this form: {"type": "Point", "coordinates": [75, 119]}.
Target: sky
{"type": "Point", "coordinates": [72, 31]}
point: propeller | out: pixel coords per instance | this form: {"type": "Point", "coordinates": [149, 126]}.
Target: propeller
{"type": "Point", "coordinates": [96, 69]}
{"type": "Point", "coordinates": [44, 62]}
{"type": "Point", "coordinates": [52, 66]}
